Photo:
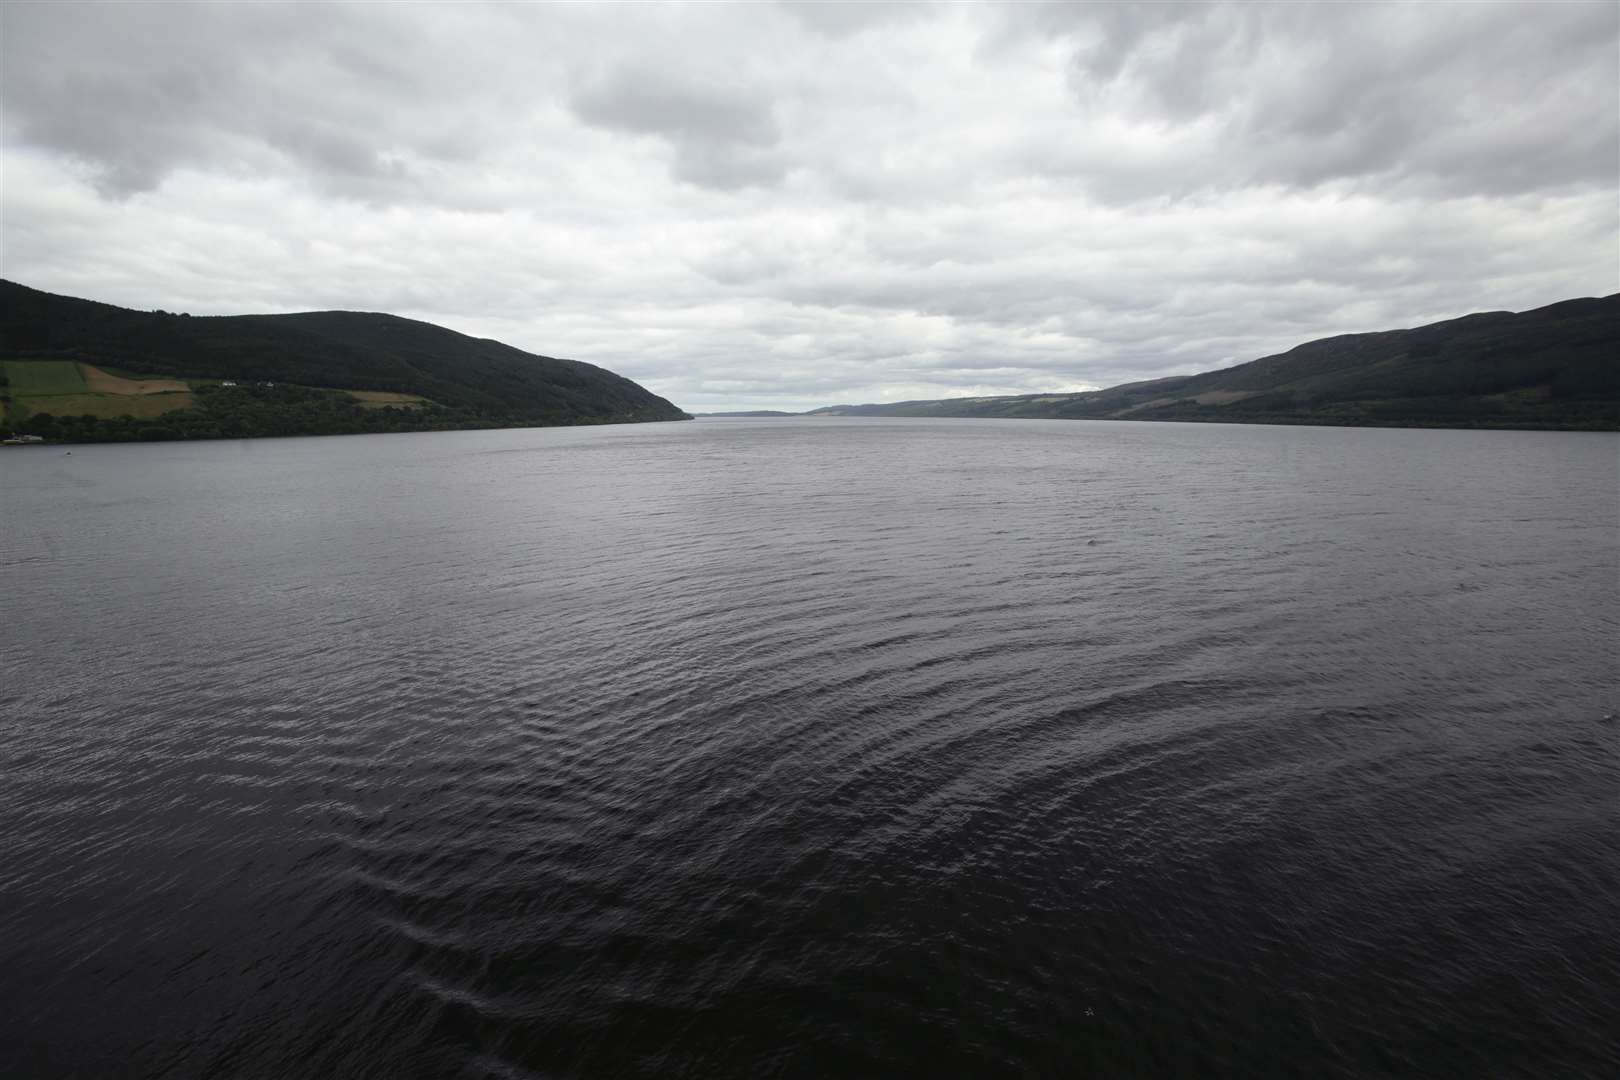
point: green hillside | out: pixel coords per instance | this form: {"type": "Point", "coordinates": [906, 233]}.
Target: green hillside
{"type": "Point", "coordinates": [465, 381]}
{"type": "Point", "coordinates": [1553, 367]}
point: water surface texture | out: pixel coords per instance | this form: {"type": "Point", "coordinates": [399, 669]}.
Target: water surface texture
{"type": "Point", "coordinates": [813, 747]}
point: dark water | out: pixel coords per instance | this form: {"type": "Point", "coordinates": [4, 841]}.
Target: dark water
{"type": "Point", "coordinates": [813, 748]}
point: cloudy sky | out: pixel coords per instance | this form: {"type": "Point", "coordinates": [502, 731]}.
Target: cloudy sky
{"type": "Point", "coordinates": [790, 205]}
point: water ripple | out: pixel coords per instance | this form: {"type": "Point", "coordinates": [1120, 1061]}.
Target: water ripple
{"type": "Point", "coordinates": [807, 748]}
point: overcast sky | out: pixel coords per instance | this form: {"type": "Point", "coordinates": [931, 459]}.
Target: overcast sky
{"type": "Point", "coordinates": [784, 205]}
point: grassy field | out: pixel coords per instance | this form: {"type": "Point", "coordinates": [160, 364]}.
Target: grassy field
{"type": "Point", "coordinates": [101, 381]}
{"type": "Point", "coordinates": [377, 399]}
{"type": "Point", "coordinates": [65, 388]}
{"type": "Point", "coordinates": [118, 372]}
{"type": "Point", "coordinates": [105, 406]}
{"type": "Point", "coordinates": [37, 378]}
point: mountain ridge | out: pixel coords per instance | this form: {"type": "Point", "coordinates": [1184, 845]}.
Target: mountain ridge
{"type": "Point", "coordinates": [1549, 367]}
{"type": "Point", "coordinates": [471, 381]}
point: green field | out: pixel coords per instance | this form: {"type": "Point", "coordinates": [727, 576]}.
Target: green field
{"type": "Point", "coordinates": [85, 398]}
{"type": "Point", "coordinates": [384, 399]}
{"type": "Point", "coordinates": [41, 378]}
{"type": "Point", "coordinates": [124, 373]}
{"type": "Point", "coordinates": [61, 388]}
{"type": "Point", "coordinates": [104, 406]}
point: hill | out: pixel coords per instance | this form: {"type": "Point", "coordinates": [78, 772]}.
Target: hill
{"type": "Point", "coordinates": [1553, 367]}
{"type": "Point", "coordinates": [367, 365]}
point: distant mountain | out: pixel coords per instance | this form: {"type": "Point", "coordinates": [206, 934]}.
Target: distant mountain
{"type": "Point", "coordinates": [750, 412]}
{"type": "Point", "coordinates": [1553, 367]}
{"type": "Point", "coordinates": [470, 381]}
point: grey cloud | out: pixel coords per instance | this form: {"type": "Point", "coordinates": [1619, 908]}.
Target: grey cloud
{"type": "Point", "coordinates": [136, 91]}
{"type": "Point", "coordinates": [841, 20]}
{"type": "Point", "coordinates": [1119, 33]}
{"type": "Point", "coordinates": [756, 204]}
{"type": "Point", "coordinates": [722, 138]}
{"type": "Point", "coordinates": [1496, 102]}
{"type": "Point", "coordinates": [1176, 41]}
{"type": "Point", "coordinates": [1487, 98]}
